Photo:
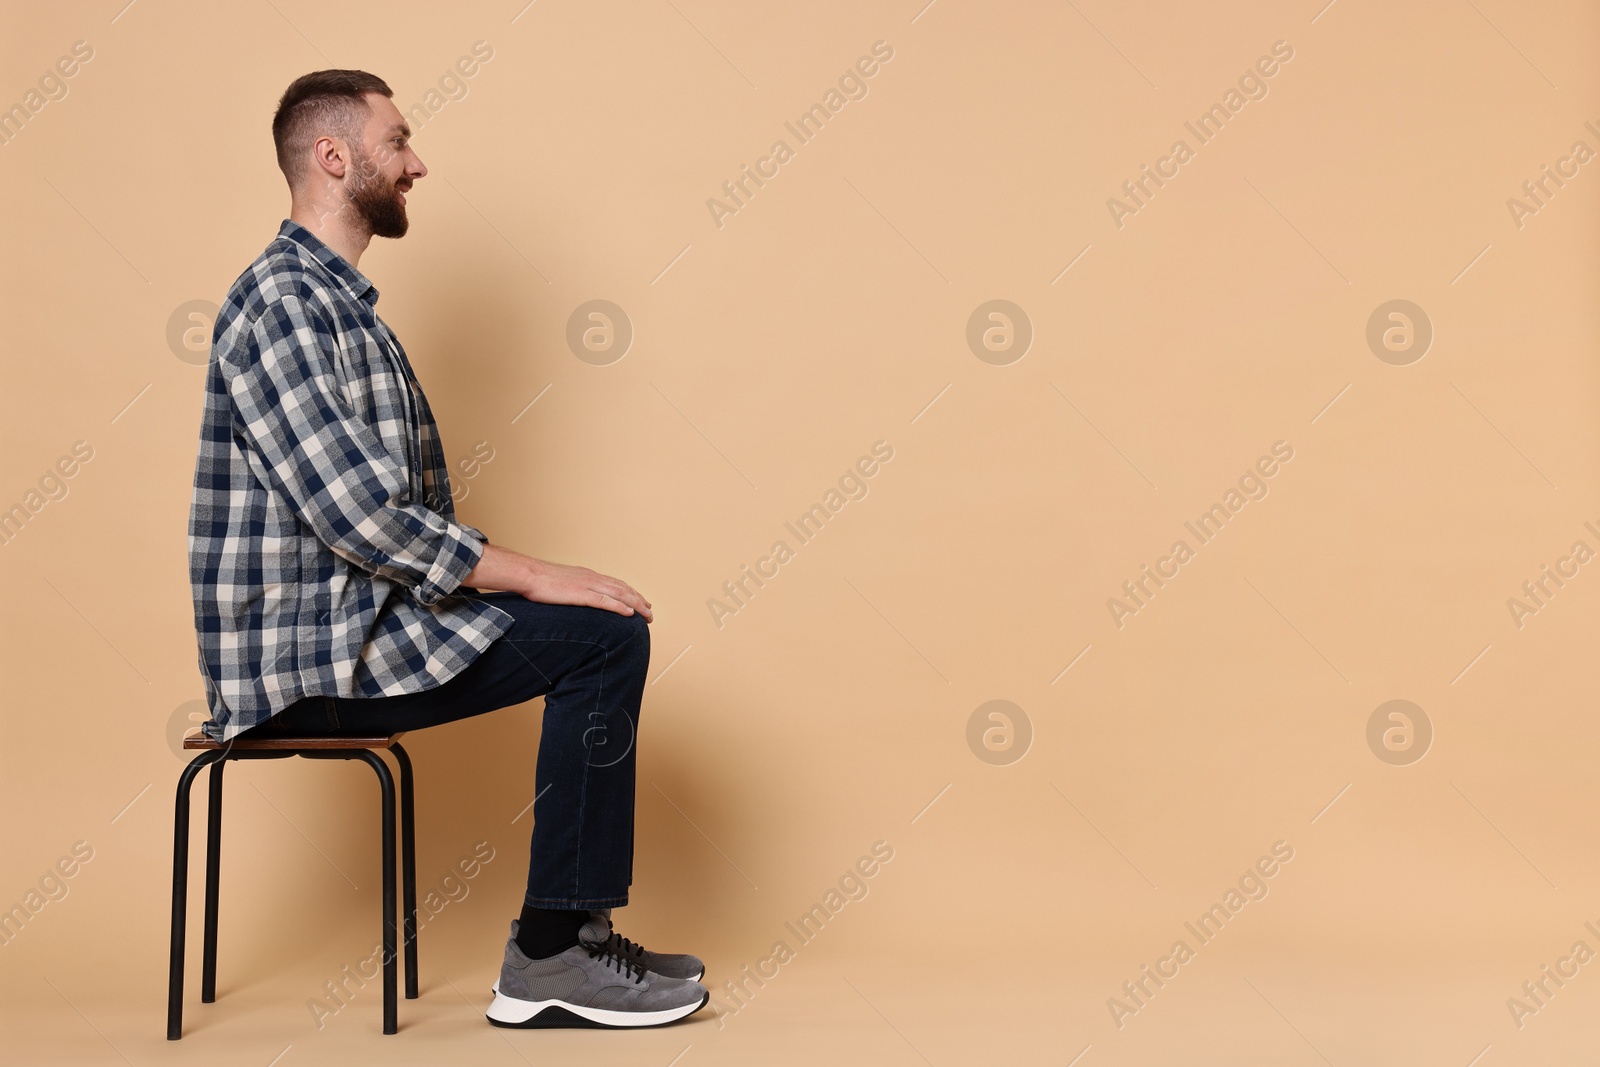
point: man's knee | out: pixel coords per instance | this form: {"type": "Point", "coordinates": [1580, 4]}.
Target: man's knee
{"type": "Point", "coordinates": [626, 638]}
{"type": "Point", "coordinates": [637, 642]}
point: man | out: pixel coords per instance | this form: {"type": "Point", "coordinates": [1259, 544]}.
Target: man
{"type": "Point", "coordinates": [335, 591]}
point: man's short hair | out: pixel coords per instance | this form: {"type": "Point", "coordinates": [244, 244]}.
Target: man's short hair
{"type": "Point", "coordinates": [324, 102]}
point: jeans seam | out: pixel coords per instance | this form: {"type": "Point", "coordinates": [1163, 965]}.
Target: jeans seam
{"type": "Point", "coordinates": [588, 769]}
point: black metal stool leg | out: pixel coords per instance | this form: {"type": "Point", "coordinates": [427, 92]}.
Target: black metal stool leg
{"type": "Point", "coordinates": [408, 866]}
{"type": "Point", "coordinates": [208, 958]}
{"type": "Point", "coordinates": [391, 1011]}
{"type": "Point", "coordinates": [390, 940]}
{"type": "Point", "coordinates": [180, 890]}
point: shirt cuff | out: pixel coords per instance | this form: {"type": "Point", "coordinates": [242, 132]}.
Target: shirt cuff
{"type": "Point", "coordinates": [457, 556]}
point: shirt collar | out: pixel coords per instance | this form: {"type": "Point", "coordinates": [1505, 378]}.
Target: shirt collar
{"type": "Point", "coordinates": [359, 284]}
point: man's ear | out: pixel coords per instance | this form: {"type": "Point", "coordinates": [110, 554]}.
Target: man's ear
{"type": "Point", "coordinates": [330, 157]}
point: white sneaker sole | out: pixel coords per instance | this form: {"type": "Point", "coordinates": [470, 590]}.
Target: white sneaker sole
{"type": "Point", "coordinates": [530, 1014]}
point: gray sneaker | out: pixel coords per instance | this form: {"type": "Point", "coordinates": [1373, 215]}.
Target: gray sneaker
{"type": "Point", "coordinates": [667, 964]}
{"type": "Point", "coordinates": [592, 984]}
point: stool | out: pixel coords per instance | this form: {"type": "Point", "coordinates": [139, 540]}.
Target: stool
{"type": "Point", "coordinates": [215, 755]}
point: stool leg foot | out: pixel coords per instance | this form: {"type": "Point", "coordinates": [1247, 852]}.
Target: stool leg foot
{"type": "Point", "coordinates": [208, 959]}
{"type": "Point", "coordinates": [180, 891]}
{"type": "Point", "coordinates": [408, 866]}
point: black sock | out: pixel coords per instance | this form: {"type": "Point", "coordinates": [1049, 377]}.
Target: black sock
{"type": "Point", "coordinates": [544, 932]}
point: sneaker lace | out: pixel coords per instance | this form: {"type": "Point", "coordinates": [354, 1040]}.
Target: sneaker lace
{"type": "Point", "coordinates": [622, 944]}
{"type": "Point", "coordinates": [614, 955]}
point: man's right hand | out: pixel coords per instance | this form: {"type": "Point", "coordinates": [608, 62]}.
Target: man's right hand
{"type": "Point", "coordinates": [555, 583]}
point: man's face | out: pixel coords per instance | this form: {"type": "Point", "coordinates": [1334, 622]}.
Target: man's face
{"type": "Point", "coordinates": [383, 168]}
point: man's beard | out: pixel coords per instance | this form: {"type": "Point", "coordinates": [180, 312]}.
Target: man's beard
{"type": "Point", "coordinates": [377, 200]}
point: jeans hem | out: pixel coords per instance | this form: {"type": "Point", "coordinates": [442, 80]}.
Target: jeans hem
{"type": "Point", "coordinates": [595, 904]}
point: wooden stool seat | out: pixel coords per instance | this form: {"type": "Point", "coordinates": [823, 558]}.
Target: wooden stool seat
{"type": "Point", "coordinates": [195, 739]}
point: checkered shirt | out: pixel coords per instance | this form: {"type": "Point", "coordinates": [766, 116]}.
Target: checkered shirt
{"type": "Point", "coordinates": [324, 552]}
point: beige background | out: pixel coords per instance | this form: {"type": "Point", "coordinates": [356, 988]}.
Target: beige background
{"type": "Point", "coordinates": [831, 712]}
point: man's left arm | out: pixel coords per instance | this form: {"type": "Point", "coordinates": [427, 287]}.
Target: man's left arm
{"type": "Point", "coordinates": [310, 448]}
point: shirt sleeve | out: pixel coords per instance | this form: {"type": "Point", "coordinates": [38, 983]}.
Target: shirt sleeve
{"type": "Point", "coordinates": [312, 450]}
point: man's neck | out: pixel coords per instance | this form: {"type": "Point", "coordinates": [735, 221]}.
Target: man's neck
{"type": "Point", "coordinates": [329, 228]}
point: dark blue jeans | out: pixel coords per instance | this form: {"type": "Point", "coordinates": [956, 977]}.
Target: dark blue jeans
{"type": "Point", "coordinates": [589, 664]}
